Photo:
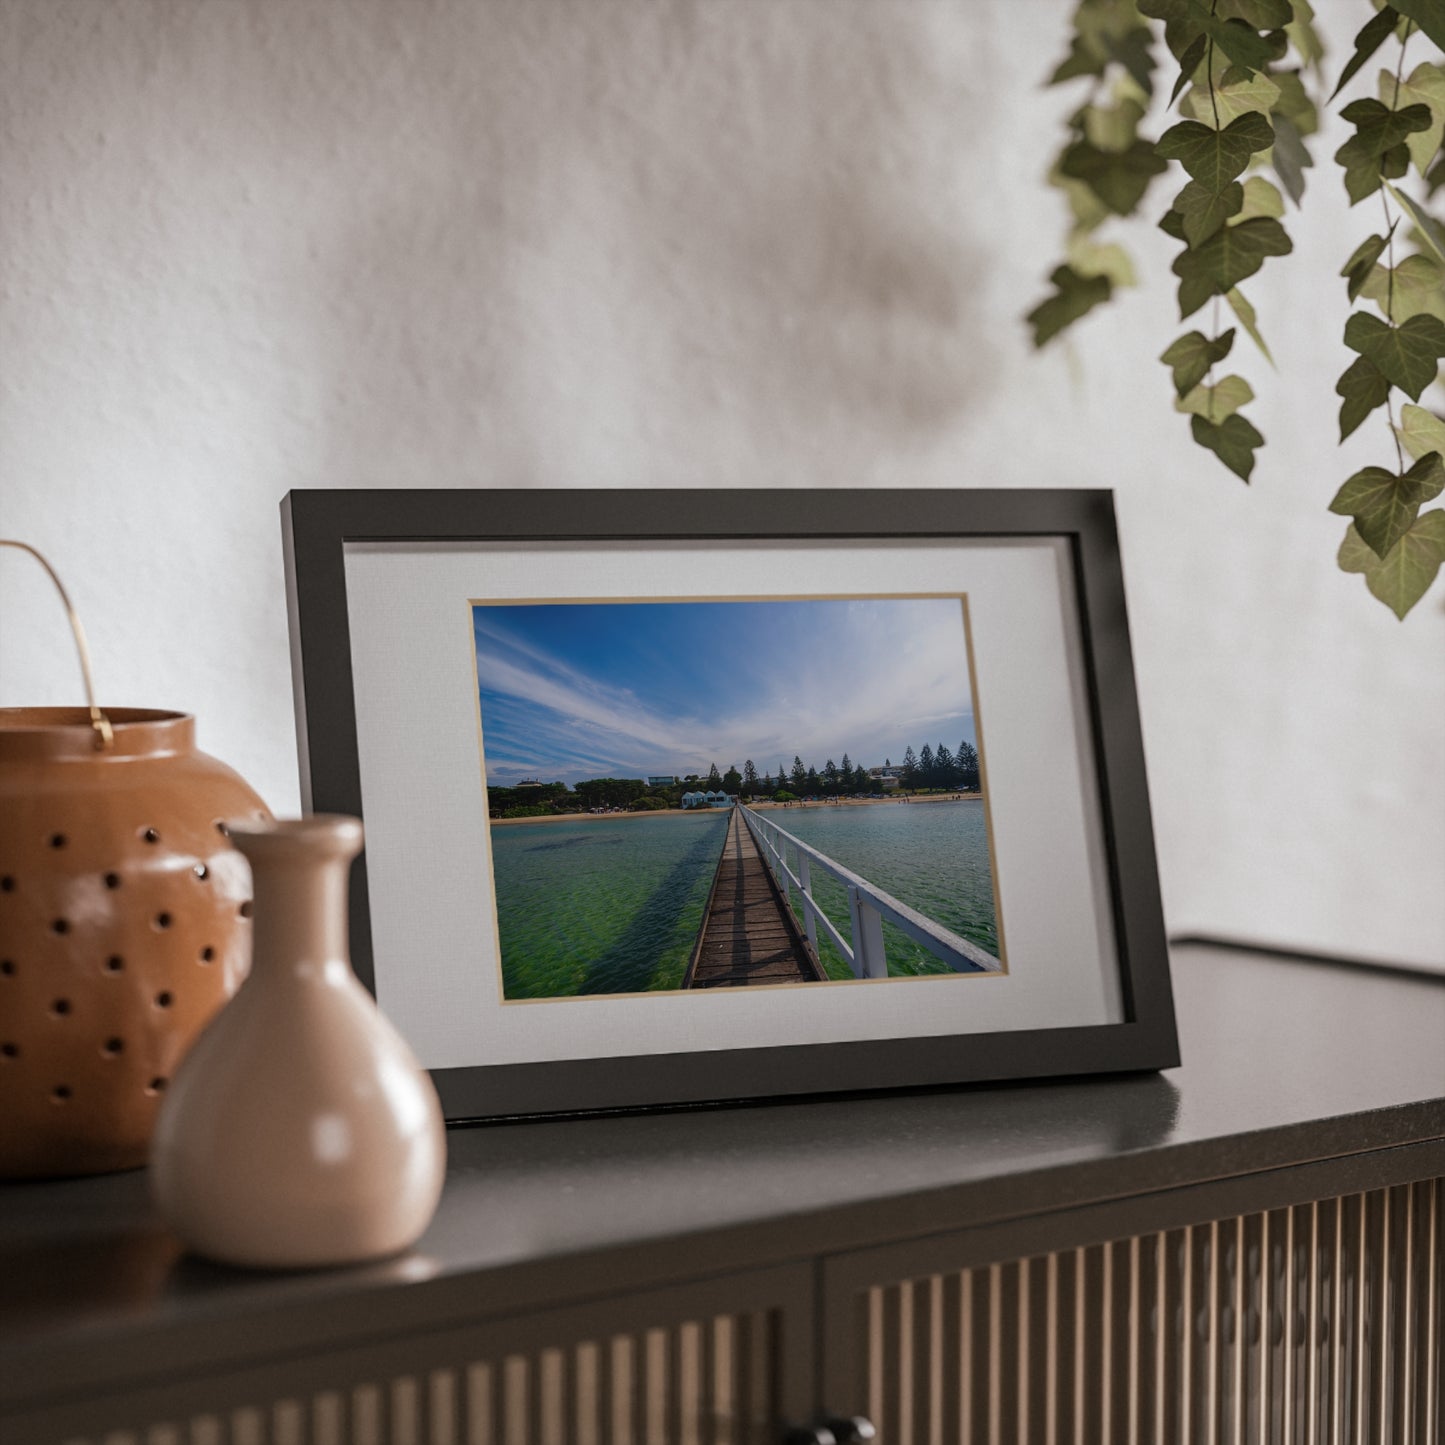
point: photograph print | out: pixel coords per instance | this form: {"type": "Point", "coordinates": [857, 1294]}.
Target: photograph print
{"type": "Point", "coordinates": [702, 794]}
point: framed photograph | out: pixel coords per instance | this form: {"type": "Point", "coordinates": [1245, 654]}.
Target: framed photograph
{"type": "Point", "coordinates": [684, 796]}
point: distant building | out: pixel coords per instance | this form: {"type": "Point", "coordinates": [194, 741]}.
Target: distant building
{"type": "Point", "coordinates": [886, 778]}
{"type": "Point", "coordinates": [706, 800]}
{"type": "Point", "coordinates": [528, 783]}
{"type": "Point", "coordinates": [661, 782]}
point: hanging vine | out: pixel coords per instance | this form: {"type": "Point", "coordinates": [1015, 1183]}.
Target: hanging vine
{"type": "Point", "coordinates": [1242, 68]}
{"type": "Point", "coordinates": [1105, 167]}
{"type": "Point", "coordinates": [1398, 548]}
{"type": "Point", "coordinates": [1227, 227]}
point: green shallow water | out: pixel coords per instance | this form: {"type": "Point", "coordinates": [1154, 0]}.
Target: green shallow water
{"type": "Point", "coordinates": [613, 905]}
{"type": "Point", "coordinates": [602, 905]}
{"type": "Point", "coordinates": [932, 856]}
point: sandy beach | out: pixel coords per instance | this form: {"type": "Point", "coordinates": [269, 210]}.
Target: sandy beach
{"type": "Point", "coordinates": [605, 817]}
{"type": "Point", "coordinates": [761, 806]}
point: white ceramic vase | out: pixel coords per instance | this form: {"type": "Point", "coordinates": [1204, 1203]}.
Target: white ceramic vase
{"type": "Point", "coordinates": [299, 1130]}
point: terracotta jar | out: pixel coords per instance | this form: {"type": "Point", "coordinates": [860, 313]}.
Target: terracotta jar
{"type": "Point", "coordinates": [124, 925]}
{"type": "Point", "coordinates": [300, 1130]}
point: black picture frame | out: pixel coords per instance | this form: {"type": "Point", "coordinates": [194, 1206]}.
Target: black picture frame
{"type": "Point", "coordinates": [317, 527]}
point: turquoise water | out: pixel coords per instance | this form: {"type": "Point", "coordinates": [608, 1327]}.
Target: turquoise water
{"type": "Point", "coordinates": [602, 905]}
{"type": "Point", "coordinates": [932, 856]}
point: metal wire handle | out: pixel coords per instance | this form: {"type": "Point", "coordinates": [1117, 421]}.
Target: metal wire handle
{"type": "Point", "coordinates": [104, 734]}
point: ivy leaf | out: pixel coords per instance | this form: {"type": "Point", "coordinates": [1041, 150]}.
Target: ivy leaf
{"type": "Point", "coordinates": [1374, 34]}
{"type": "Point", "coordinates": [1377, 147]}
{"type": "Point", "coordinates": [1239, 40]}
{"type": "Point", "coordinates": [1183, 27]}
{"type": "Point", "coordinates": [1407, 355]}
{"type": "Point", "coordinates": [1294, 102]}
{"type": "Point", "coordinates": [1303, 35]}
{"type": "Point", "coordinates": [1172, 224]}
{"type": "Point", "coordinates": [1364, 178]}
{"type": "Point", "coordinates": [1364, 387]}
{"type": "Point", "coordinates": [1190, 358]}
{"type": "Point", "coordinates": [1082, 59]}
{"type": "Point", "coordinates": [1226, 258]}
{"type": "Point", "coordinates": [1420, 431]}
{"type": "Point", "coordinates": [1403, 576]}
{"type": "Point", "coordinates": [1185, 20]}
{"type": "Point", "coordinates": [1088, 211]}
{"type": "Point", "coordinates": [1262, 14]}
{"type": "Point", "coordinates": [1418, 290]}
{"type": "Point", "coordinates": [1089, 258]}
{"type": "Point", "coordinates": [1118, 178]}
{"type": "Point", "coordinates": [1075, 296]}
{"type": "Point", "coordinates": [1134, 51]}
{"type": "Point", "coordinates": [1290, 157]}
{"type": "Point", "coordinates": [1426, 86]}
{"type": "Point", "coordinates": [1429, 15]}
{"type": "Point", "coordinates": [1384, 506]}
{"type": "Point", "coordinates": [1260, 199]}
{"type": "Point", "coordinates": [1428, 226]}
{"type": "Point", "coordinates": [1102, 32]}
{"type": "Point", "coordinates": [1189, 62]}
{"type": "Point", "coordinates": [1240, 92]}
{"type": "Point", "coordinates": [1378, 128]}
{"type": "Point", "coordinates": [1216, 157]}
{"type": "Point", "coordinates": [1203, 211]}
{"type": "Point", "coordinates": [1214, 403]}
{"type": "Point", "coordinates": [1362, 261]}
{"type": "Point", "coordinates": [1242, 309]}
{"type": "Point", "coordinates": [1105, 21]}
{"type": "Point", "coordinates": [1233, 441]}
{"type": "Point", "coordinates": [1113, 127]}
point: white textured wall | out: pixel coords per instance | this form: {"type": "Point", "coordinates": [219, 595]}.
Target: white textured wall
{"type": "Point", "coordinates": [248, 245]}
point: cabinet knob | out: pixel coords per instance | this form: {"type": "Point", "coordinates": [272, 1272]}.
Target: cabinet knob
{"type": "Point", "coordinates": [835, 1430]}
{"type": "Point", "coordinates": [852, 1430]}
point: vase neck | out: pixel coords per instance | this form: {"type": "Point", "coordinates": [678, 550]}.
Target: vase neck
{"type": "Point", "coordinates": [300, 872]}
{"type": "Point", "coordinates": [300, 912]}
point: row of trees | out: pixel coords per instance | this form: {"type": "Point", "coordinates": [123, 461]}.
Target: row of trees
{"type": "Point", "coordinates": [930, 768]}
{"type": "Point", "coordinates": [546, 799]}
{"type": "Point", "coordinates": [939, 768]}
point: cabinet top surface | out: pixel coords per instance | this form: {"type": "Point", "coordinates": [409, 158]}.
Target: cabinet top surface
{"type": "Point", "coordinates": [1285, 1062]}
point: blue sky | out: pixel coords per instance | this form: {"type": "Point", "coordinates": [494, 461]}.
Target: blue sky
{"type": "Point", "coordinates": [583, 690]}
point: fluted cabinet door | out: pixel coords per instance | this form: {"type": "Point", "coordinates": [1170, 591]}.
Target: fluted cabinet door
{"type": "Point", "coordinates": [1316, 1323]}
{"type": "Point", "coordinates": [714, 1362]}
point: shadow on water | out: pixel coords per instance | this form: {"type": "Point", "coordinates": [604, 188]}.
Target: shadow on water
{"type": "Point", "coordinates": [615, 970]}
{"type": "Point", "coordinates": [574, 843]}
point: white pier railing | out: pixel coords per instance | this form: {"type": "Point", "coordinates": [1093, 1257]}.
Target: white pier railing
{"type": "Point", "coordinates": [868, 906]}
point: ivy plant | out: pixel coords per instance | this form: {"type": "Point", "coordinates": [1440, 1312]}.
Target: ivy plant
{"type": "Point", "coordinates": [1244, 70]}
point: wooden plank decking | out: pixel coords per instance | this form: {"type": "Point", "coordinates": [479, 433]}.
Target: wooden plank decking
{"type": "Point", "coordinates": [749, 935]}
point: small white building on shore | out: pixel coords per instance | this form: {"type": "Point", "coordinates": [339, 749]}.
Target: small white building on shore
{"type": "Point", "coordinates": [706, 800]}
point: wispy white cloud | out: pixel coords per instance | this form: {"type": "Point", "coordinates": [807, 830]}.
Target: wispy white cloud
{"type": "Point", "coordinates": [885, 679]}
{"type": "Point", "coordinates": [513, 668]}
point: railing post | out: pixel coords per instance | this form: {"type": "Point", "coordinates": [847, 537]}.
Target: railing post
{"type": "Point", "coordinates": [868, 906]}
{"type": "Point", "coordinates": [775, 860]}
{"type": "Point", "coordinates": [869, 960]}
{"type": "Point", "coordinates": [810, 921]}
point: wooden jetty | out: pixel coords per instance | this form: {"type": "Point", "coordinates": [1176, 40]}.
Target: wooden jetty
{"type": "Point", "coordinates": [749, 935]}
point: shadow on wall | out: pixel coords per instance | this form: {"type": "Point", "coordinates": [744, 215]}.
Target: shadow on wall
{"type": "Point", "coordinates": [640, 243]}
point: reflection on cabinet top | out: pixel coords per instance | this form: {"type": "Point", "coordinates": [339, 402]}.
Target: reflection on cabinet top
{"type": "Point", "coordinates": [1285, 1062]}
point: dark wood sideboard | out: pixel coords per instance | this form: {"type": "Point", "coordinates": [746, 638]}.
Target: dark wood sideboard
{"type": "Point", "coordinates": [1247, 1248]}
